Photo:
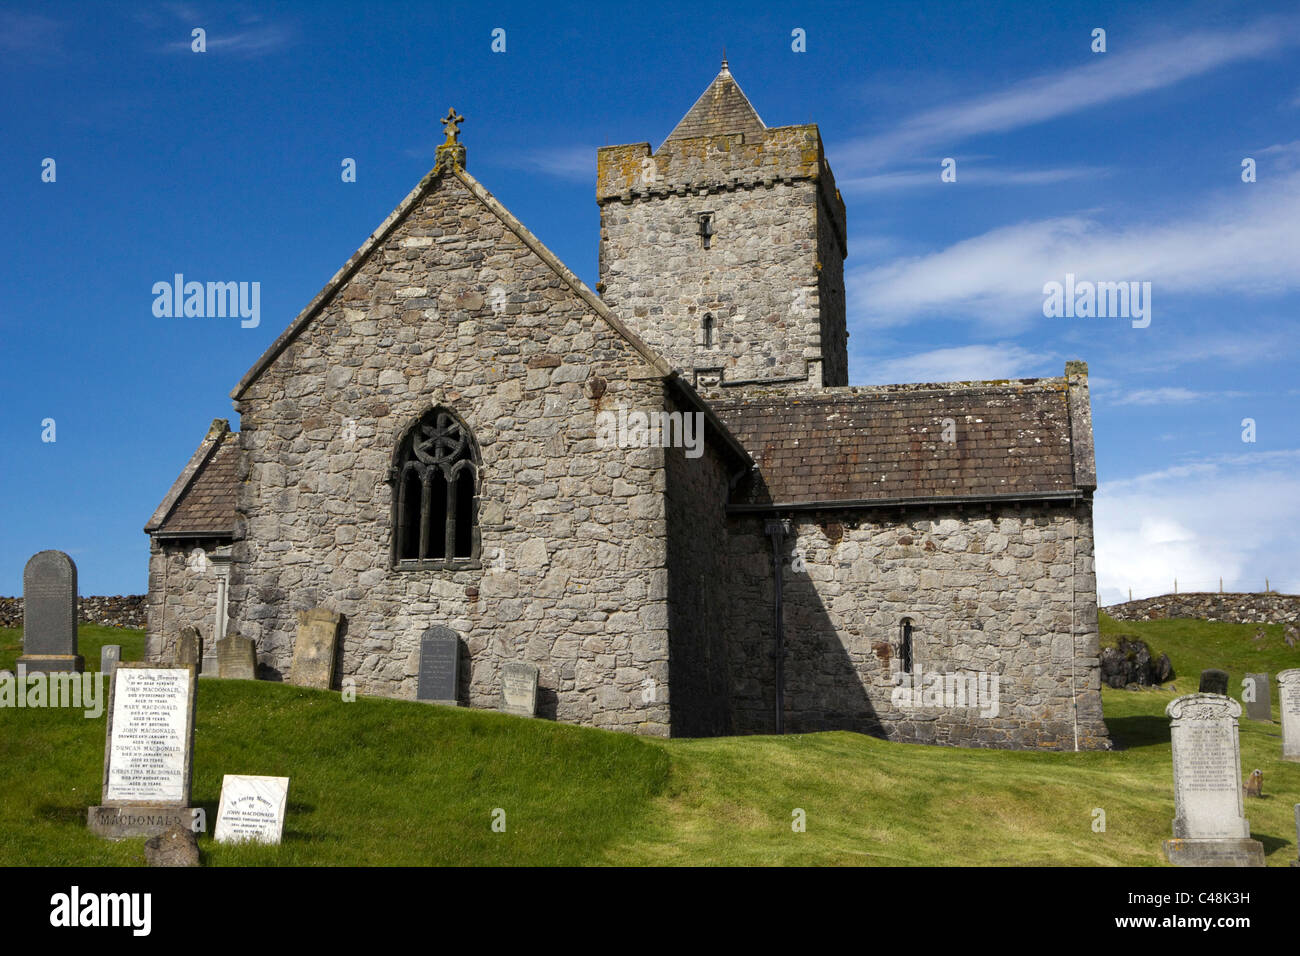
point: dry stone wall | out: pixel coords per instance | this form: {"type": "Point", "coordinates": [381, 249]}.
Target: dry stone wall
{"type": "Point", "coordinates": [117, 610]}
{"type": "Point", "coordinates": [1238, 608]}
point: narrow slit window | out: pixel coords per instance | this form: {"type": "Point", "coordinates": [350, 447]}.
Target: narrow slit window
{"type": "Point", "coordinates": [905, 645]}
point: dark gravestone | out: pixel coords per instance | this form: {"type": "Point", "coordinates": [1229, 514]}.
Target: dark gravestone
{"type": "Point", "coordinates": [439, 666]}
{"type": "Point", "coordinates": [1213, 682]}
{"type": "Point", "coordinates": [50, 615]}
{"type": "Point", "coordinates": [1257, 695]}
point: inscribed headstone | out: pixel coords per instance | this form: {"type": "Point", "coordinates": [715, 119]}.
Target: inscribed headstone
{"type": "Point", "coordinates": [519, 688]}
{"type": "Point", "coordinates": [252, 808]}
{"type": "Point", "coordinates": [1210, 827]}
{"type": "Point", "coordinates": [313, 651]}
{"type": "Point", "coordinates": [148, 751]}
{"type": "Point", "coordinates": [187, 647]}
{"type": "Point", "coordinates": [236, 657]}
{"type": "Point", "coordinates": [1288, 692]}
{"type": "Point", "coordinates": [439, 679]}
{"type": "Point", "coordinates": [50, 615]}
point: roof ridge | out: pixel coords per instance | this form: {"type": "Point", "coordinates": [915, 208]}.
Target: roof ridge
{"type": "Point", "coordinates": [392, 221]}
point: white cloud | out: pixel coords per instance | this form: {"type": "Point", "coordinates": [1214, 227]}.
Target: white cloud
{"type": "Point", "coordinates": [969, 174]}
{"type": "Point", "coordinates": [574, 163]}
{"type": "Point", "coordinates": [1119, 74]}
{"type": "Point", "coordinates": [1231, 244]}
{"type": "Point", "coordinates": [964, 363]}
{"type": "Point", "coordinates": [1226, 517]}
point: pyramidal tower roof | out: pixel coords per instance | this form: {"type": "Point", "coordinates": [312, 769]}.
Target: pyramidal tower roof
{"type": "Point", "coordinates": [722, 108]}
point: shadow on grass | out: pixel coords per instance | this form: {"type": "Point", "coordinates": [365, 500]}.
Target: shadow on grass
{"type": "Point", "coordinates": [1143, 730]}
{"type": "Point", "coordinates": [1271, 843]}
{"type": "Point", "coordinates": [61, 814]}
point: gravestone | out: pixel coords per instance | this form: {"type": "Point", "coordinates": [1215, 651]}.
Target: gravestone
{"type": "Point", "coordinates": [252, 808]}
{"type": "Point", "coordinates": [1213, 682]}
{"type": "Point", "coordinates": [187, 648]}
{"type": "Point", "coordinates": [519, 688]}
{"type": "Point", "coordinates": [439, 680]}
{"type": "Point", "coordinates": [109, 656]}
{"type": "Point", "coordinates": [236, 657]}
{"type": "Point", "coordinates": [1288, 692]}
{"type": "Point", "coordinates": [50, 615]}
{"type": "Point", "coordinates": [1210, 827]}
{"type": "Point", "coordinates": [1257, 694]}
{"type": "Point", "coordinates": [210, 665]}
{"type": "Point", "coordinates": [313, 651]}
{"type": "Point", "coordinates": [148, 752]}
{"type": "Point", "coordinates": [1296, 861]}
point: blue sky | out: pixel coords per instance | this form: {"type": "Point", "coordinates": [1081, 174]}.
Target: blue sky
{"type": "Point", "coordinates": [225, 165]}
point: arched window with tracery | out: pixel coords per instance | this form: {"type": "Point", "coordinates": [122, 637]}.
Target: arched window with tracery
{"type": "Point", "coordinates": [435, 487]}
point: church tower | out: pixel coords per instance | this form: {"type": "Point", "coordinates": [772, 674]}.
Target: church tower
{"type": "Point", "coordinates": [724, 248]}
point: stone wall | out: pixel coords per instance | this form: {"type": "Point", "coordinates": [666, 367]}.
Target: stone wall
{"type": "Point", "coordinates": [697, 601]}
{"type": "Point", "coordinates": [118, 610]}
{"type": "Point", "coordinates": [772, 276]}
{"type": "Point", "coordinates": [987, 592]}
{"type": "Point", "coordinates": [182, 592]}
{"type": "Point", "coordinates": [1238, 608]}
{"type": "Point", "coordinates": [454, 309]}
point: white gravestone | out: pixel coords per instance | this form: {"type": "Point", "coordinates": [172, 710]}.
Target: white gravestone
{"type": "Point", "coordinates": [1210, 827]}
{"type": "Point", "coordinates": [1288, 683]}
{"type": "Point", "coordinates": [252, 808]}
{"type": "Point", "coordinates": [148, 753]}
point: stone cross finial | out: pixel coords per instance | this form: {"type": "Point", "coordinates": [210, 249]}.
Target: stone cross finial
{"type": "Point", "coordinates": [453, 130]}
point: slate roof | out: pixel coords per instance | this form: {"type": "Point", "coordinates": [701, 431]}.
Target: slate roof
{"type": "Point", "coordinates": [722, 108]}
{"type": "Point", "coordinates": [201, 502]}
{"type": "Point", "coordinates": [885, 444]}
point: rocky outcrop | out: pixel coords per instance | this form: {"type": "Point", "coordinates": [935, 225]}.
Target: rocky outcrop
{"type": "Point", "coordinates": [1130, 662]}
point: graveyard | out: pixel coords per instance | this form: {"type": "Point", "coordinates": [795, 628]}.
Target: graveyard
{"type": "Point", "coordinates": [379, 782]}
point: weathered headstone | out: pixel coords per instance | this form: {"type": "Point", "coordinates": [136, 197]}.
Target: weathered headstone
{"type": "Point", "coordinates": [148, 752]}
{"type": "Point", "coordinates": [1210, 827]}
{"type": "Point", "coordinates": [439, 680]}
{"type": "Point", "coordinates": [1288, 692]}
{"type": "Point", "coordinates": [252, 808]}
{"type": "Point", "coordinates": [109, 657]}
{"type": "Point", "coordinates": [188, 648]}
{"type": "Point", "coordinates": [50, 615]}
{"type": "Point", "coordinates": [175, 846]}
{"type": "Point", "coordinates": [519, 688]}
{"type": "Point", "coordinates": [313, 651]}
{"type": "Point", "coordinates": [236, 657]}
{"type": "Point", "coordinates": [1257, 693]}
{"type": "Point", "coordinates": [1213, 682]}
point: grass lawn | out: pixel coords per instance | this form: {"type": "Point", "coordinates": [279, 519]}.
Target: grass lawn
{"type": "Point", "coordinates": [391, 782]}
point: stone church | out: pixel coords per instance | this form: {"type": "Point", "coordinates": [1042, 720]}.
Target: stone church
{"type": "Point", "coordinates": [422, 447]}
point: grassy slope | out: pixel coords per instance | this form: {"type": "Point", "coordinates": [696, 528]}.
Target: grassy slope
{"type": "Point", "coordinates": [391, 782]}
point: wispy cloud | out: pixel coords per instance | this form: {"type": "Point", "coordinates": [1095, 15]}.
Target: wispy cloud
{"type": "Point", "coordinates": [573, 163]}
{"type": "Point", "coordinates": [1228, 517]}
{"type": "Point", "coordinates": [29, 36]}
{"type": "Point", "coordinates": [962, 364]}
{"type": "Point", "coordinates": [969, 173]}
{"type": "Point", "coordinates": [1173, 395]}
{"type": "Point", "coordinates": [250, 38]}
{"type": "Point", "coordinates": [1119, 74]}
{"type": "Point", "coordinates": [1242, 244]}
